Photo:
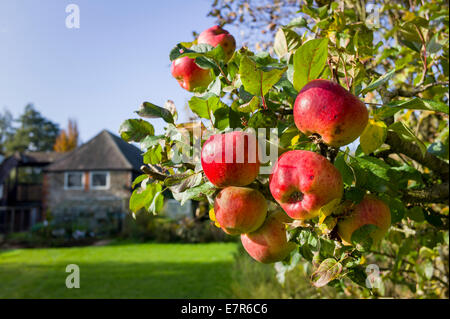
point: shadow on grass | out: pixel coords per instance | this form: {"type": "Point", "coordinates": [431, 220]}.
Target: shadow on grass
{"type": "Point", "coordinates": [118, 280]}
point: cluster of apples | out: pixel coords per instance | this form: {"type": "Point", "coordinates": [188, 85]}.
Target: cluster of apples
{"type": "Point", "coordinates": [301, 181]}
{"type": "Point", "coordinates": [188, 74]}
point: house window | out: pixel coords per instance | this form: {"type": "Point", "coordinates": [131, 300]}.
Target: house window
{"type": "Point", "coordinates": [73, 180]}
{"type": "Point", "coordinates": [99, 180]}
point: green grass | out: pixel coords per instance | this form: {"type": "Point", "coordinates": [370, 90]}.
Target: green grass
{"type": "Point", "coordinates": [120, 271]}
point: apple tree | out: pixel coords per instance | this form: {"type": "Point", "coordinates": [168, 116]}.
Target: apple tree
{"type": "Point", "coordinates": [392, 57]}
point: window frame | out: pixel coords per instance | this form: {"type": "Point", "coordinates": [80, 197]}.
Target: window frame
{"type": "Point", "coordinates": [66, 180]}
{"type": "Point", "coordinates": [91, 185]}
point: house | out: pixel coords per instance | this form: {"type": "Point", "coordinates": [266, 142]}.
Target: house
{"type": "Point", "coordinates": [21, 177]}
{"type": "Point", "coordinates": [91, 182]}
{"type": "Point", "coordinates": [87, 189]}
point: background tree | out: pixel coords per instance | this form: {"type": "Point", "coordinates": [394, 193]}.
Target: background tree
{"type": "Point", "coordinates": [67, 140]}
{"type": "Point", "coordinates": [394, 56]}
{"type": "Point", "coordinates": [34, 133]}
{"type": "Point", "coordinates": [6, 129]}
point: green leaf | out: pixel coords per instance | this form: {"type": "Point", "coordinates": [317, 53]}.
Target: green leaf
{"type": "Point", "coordinates": [328, 270]}
{"type": "Point", "coordinates": [153, 155]}
{"type": "Point", "coordinates": [248, 107]}
{"type": "Point", "coordinates": [373, 136]}
{"type": "Point", "coordinates": [221, 118]}
{"type": "Point", "coordinates": [257, 81]}
{"type": "Point", "coordinates": [436, 106]}
{"type": "Point", "coordinates": [362, 237]}
{"type": "Point", "coordinates": [197, 192]}
{"type": "Point", "coordinates": [406, 134]}
{"type": "Point", "coordinates": [150, 141]}
{"type": "Point", "coordinates": [199, 50]}
{"type": "Point", "coordinates": [180, 182]}
{"type": "Point", "coordinates": [139, 179]}
{"type": "Point", "coordinates": [285, 41]}
{"type": "Point", "coordinates": [354, 194]}
{"type": "Point", "coordinates": [158, 200]}
{"type": "Point", "coordinates": [262, 119]}
{"type": "Point", "coordinates": [134, 130]}
{"type": "Point", "coordinates": [149, 110]}
{"type": "Point", "coordinates": [397, 207]}
{"type": "Point", "coordinates": [204, 106]}
{"type": "Point", "coordinates": [358, 275]}
{"type": "Point", "coordinates": [344, 169]}
{"type": "Point", "coordinates": [298, 22]}
{"type": "Point", "coordinates": [416, 214]}
{"type": "Point", "coordinates": [309, 61]}
{"type": "Point", "coordinates": [378, 82]}
{"type": "Point", "coordinates": [412, 104]}
{"type": "Point", "coordinates": [143, 197]}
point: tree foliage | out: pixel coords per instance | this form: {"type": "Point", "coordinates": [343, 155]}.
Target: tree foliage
{"type": "Point", "coordinates": [33, 133]}
{"type": "Point", "coordinates": [67, 140]}
{"type": "Point", "coordinates": [394, 56]}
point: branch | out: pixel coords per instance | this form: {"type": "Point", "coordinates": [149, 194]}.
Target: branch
{"type": "Point", "coordinates": [152, 171]}
{"type": "Point", "coordinates": [413, 151]}
{"type": "Point", "coordinates": [414, 91]}
{"type": "Point", "coordinates": [438, 193]}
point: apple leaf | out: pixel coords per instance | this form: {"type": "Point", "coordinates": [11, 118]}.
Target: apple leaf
{"type": "Point", "coordinates": [149, 110]}
{"type": "Point", "coordinates": [134, 130]}
{"type": "Point", "coordinates": [397, 207]}
{"type": "Point", "coordinates": [378, 82]}
{"type": "Point", "coordinates": [286, 40]}
{"type": "Point", "coordinates": [257, 81]}
{"type": "Point", "coordinates": [416, 214]}
{"type": "Point", "coordinates": [143, 197]}
{"type": "Point", "coordinates": [180, 182]}
{"type": "Point", "coordinates": [153, 155]}
{"type": "Point", "coordinates": [362, 237]}
{"type": "Point", "coordinates": [309, 61]}
{"type": "Point", "coordinates": [139, 180]}
{"type": "Point", "coordinates": [412, 104]}
{"type": "Point", "coordinates": [327, 271]}
{"type": "Point", "coordinates": [248, 107]}
{"type": "Point", "coordinates": [357, 275]}
{"type": "Point", "coordinates": [158, 200]}
{"type": "Point", "coordinates": [198, 50]}
{"type": "Point", "coordinates": [406, 134]}
{"type": "Point", "coordinates": [195, 193]}
{"type": "Point", "coordinates": [373, 136]}
{"type": "Point", "coordinates": [204, 106]}
{"type": "Point", "coordinates": [344, 169]}
{"type": "Point", "coordinates": [150, 141]}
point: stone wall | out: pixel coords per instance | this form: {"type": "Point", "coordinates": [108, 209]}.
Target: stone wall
{"type": "Point", "coordinates": [58, 200]}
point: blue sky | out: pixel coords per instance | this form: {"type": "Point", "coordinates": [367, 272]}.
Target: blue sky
{"type": "Point", "coordinates": [100, 73]}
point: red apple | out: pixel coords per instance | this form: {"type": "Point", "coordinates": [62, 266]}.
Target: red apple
{"type": "Point", "coordinates": [326, 108]}
{"type": "Point", "coordinates": [269, 243]}
{"type": "Point", "coordinates": [189, 75]}
{"type": "Point", "coordinates": [216, 35]}
{"type": "Point", "coordinates": [303, 181]}
{"type": "Point", "coordinates": [231, 159]}
{"type": "Point", "coordinates": [370, 211]}
{"type": "Point", "coordinates": [240, 209]}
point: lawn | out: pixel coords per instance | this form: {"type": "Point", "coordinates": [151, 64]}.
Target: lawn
{"type": "Point", "coordinates": [120, 271]}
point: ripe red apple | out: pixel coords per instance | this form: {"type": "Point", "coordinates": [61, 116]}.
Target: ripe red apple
{"type": "Point", "coordinates": [216, 35]}
{"type": "Point", "coordinates": [240, 209]}
{"type": "Point", "coordinates": [231, 159]}
{"type": "Point", "coordinates": [326, 108]}
{"type": "Point", "coordinates": [370, 211]}
{"type": "Point", "coordinates": [189, 75]}
{"type": "Point", "coordinates": [303, 181]}
{"type": "Point", "coordinates": [269, 243]}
